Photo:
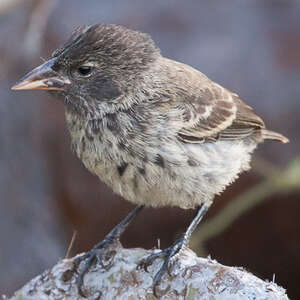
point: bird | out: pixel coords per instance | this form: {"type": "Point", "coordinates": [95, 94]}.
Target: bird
{"type": "Point", "coordinates": [158, 132]}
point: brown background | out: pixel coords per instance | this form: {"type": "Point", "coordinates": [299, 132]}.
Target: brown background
{"type": "Point", "coordinates": [251, 47]}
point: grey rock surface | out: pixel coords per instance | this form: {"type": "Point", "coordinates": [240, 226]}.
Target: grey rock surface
{"type": "Point", "coordinates": [190, 277]}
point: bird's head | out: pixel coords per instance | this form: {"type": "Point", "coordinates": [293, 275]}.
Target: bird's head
{"type": "Point", "coordinates": [98, 69]}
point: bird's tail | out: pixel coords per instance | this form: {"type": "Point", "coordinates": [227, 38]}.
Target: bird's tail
{"type": "Point", "coordinates": [272, 135]}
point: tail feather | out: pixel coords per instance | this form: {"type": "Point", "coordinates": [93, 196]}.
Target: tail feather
{"type": "Point", "coordinates": [272, 135]}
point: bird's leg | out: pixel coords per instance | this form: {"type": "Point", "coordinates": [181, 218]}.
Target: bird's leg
{"type": "Point", "coordinates": [111, 239]}
{"type": "Point", "coordinates": [170, 252]}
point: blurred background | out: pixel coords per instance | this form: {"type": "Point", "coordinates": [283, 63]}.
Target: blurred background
{"type": "Point", "coordinates": [251, 47]}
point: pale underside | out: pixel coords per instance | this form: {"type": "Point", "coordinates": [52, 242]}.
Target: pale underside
{"type": "Point", "coordinates": [179, 182]}
{"type": "Point", "coordinates": [183, 186]}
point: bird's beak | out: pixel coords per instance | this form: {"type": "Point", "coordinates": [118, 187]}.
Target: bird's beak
{"type": "Point", "coordinates": [42, 78]}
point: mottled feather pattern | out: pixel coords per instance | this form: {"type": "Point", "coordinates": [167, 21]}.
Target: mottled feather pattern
{"type": "Point", "coordinates": [174, 173]}
{"type": "Point", "coordinates": [170, 136]}
{"type": "Point", "coordinates": [167, 177]}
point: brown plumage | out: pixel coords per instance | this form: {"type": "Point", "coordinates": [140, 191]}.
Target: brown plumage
{"type": "Point", "coordinates": [158, 132]}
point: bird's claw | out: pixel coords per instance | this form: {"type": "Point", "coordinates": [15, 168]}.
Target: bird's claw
{"type": "Point", "coordinates": [102, 252]}
{"type": "Point", "coordinates": [169, 254]}
{"type": "Point", "coordinates": [148, 261]}
{"type": "Point", "coordinates": [88, 259]}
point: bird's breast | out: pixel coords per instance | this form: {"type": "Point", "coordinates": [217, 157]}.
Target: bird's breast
{"type": "Point", "coordinates": [157, 172]}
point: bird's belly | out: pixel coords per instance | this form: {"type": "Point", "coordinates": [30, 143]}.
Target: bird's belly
{"type": "Point", "coordinates": [156, 187]}
{"type": "Point", "coordinates": [182, 184]}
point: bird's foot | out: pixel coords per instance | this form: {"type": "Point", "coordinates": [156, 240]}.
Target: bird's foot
{"type": "Point", "coordinates": [102, 253]}
{"type": "Point", "coordinates": [169, 254]}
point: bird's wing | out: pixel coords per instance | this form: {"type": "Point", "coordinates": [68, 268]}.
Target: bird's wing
{"type": "Point", "coordinates": [216, 113]}
{"type": "Point", "coordinates": [201, 110]}
{"type": "Point", "coordinates": [207, 111]}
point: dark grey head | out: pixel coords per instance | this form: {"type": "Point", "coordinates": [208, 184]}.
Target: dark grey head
{"type": "Point", "coordinates": [96, 68]}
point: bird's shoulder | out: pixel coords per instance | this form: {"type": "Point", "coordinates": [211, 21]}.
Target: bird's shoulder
{"type": "Point", "coordinates": [204, 109]}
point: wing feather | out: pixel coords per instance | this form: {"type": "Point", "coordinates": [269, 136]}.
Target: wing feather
{"type": "Point", "coordinates": [208, 111]}
{"type": "Point", "coordinates": [208, 114]}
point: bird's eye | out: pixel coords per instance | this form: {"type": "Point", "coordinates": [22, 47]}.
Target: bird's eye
{"type": "Point", "coordinates": [84, 70]}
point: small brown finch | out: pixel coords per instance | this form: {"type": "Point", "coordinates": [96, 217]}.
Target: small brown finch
{"type": "Point", "coordinates": [157, 131]}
